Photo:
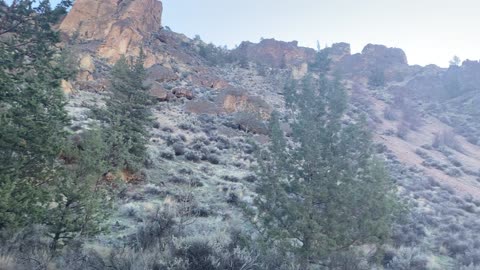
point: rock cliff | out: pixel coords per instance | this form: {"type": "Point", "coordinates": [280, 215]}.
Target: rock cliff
{"type": "Point", "coordinates": [119, 27]}
{"type": "Point", "coordinates": [275, 53]}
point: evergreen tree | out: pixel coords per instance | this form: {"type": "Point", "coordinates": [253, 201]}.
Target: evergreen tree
{"type": "Point", "coordinates": [456, 61]}
{"type": "Point", "coordinates": [127, 115]}
{"type": "Point", "coordinates": [324, 191]}
{"type": "Point", "coordinates": [32, 114]}
{"type": "Point", "coordinates": [322, 60]}
{"type": "Point", "coordinates": [377, 78]}
{"type": "Point", "coordinates": [80, 202]}
{"type": "Point", "coordinates": [289, 93]}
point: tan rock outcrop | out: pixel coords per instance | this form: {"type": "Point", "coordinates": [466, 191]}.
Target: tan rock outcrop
{"type": "Point", "coordinates": [87, 67]}
{"type": "Point", "coordinates": [232, 101]}
{"type": "Point", "coordinates": [238, 100]}
{"type": "Point", "coordinates": [121, 26]}
{"type": "Point", "coordinates": [67, 87]}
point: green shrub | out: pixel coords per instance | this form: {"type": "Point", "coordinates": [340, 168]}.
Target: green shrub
{"type": "Point", "coordinates": [192, 156]}
{"type": "Point", "coordinates": [390, 114]}
{"type": "Point", "coordinates": [168, 154]}
{"type": "Point", "coordinates": [402, 131]}
{"type": "Point", "coordinates": [179, 148]}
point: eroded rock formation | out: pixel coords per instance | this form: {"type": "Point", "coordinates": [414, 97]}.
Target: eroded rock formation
{"type": "Point", "coordinates": [119, 27]}
{"type": "Point", "coordinates": [275, 53]}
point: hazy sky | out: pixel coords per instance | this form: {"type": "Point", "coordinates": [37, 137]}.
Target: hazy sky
{"type": "Point", "coordinates": [430, 31]}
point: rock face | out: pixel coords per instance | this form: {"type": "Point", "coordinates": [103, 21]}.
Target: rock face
{"type": "Point", "coordinates": [441, 84]}
{"type": "Point", "coordinates": [374, 58]}
{"type": "Point", "coordinates": [86, 68]}
{"type": "Point", "coordinates": [275, 53]}
{"type": "Point", "coordinates": [230, 101]}
{"type": "Point", "coordinates": [339, 51]}
{"type": "Point", "coordinates": [120, 26]}
{"type": "Point", "coordinates": [238, 100]}
{"type": "Point", "coordinates": [381, 55]}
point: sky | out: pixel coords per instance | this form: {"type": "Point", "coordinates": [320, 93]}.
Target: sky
{"type": "Point", "coordinates": [429, 31]}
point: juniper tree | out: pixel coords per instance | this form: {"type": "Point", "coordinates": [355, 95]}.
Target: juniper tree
{"type": "Point", "coordinates": [35, 187]}
{"type": "Point", "coordinates": [377, 77]}
{"type": "Point", "coordinates": [32, 114]}
{"type": "Point", "coordinates": [80, 203]}
{"type": "Point", "coordinates": [128, 115]}
{"type": "Point", "coordinates": [322, 60]}
{"type": "Point", "coordinates": [323, 191]}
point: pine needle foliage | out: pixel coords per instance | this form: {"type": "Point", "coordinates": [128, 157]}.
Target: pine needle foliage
{"type": "Point", "coordinates": [323, 191]}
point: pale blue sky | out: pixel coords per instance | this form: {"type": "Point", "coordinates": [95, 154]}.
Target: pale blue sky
{"type": "Point", "coordinates": [430, 31]}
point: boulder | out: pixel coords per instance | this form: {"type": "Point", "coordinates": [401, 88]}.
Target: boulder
{"type": "Point", "coordinates": [159, 93]}
{"type": "Point", "coordinates": [159, 73]}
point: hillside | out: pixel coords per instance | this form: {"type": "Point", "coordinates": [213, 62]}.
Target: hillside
{"type": "Point", "coordinates": [213, 108]}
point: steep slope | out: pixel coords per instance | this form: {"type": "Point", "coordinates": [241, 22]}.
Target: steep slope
{"type": "Point", "coordinates": [208, 114]}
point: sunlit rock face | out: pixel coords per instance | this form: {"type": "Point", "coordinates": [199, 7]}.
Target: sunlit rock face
{"type": "Point", "coordinates": [121, 27]}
